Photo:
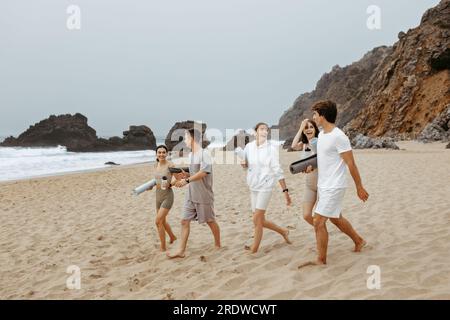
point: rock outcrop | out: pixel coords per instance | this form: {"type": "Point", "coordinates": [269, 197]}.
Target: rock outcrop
{"type": "Point", "coordinates": [392, 91]}
{"type": "Point", "coordinates": [240, 139]}
{"type": "Point", "coordinates": [287, 145]}
{"type": "Point", "coordinates": [73, 132]}
{"type": "Point", "coordinates": [175, 138]}
{"type": "Point", "coordinates": [67, 130]}
{"type": "Point", "coordinates": [438, 129]}
{"type": "Point", "coordinates": [361, 141]}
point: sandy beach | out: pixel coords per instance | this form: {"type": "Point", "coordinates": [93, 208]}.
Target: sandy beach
{"type": "Point", "coordinates": [92, 220]}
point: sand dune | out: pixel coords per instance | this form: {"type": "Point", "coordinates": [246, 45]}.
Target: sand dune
{"type": "Point", "coordinates": [91, 220]}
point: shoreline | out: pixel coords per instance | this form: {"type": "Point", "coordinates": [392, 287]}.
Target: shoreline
{"type": "Point", "coordinates": [404, 145]}
{"type": "Point", "coordinates": [75, 172]}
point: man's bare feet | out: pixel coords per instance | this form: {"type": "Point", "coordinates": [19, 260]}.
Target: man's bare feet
{"type": "Point", "coordinates": [172, 240]}
{"type": "Point", "coordinates": [359, 246]}
{"type": "Point", "coordinates": [312, 263]}
{"type": "Point", "coordinates": [286, 237]}
{"type": "Point", "coordinates": [178, 254]}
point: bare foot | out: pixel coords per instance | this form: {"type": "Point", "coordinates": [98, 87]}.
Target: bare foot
{"type": "Point", "coordinates": [179, 254]}
{"type": "Point", "coordinates": [162, 249]}
{"type": "Point", "coordinates": [250, 249]}
{"type": "Point", "coordinates": [312, 263]}
{"type": "Point", "coordinates": [172, 240]}
{"type": "Point", "coordinates": [286, 237]}
{"type": "Point", "coordinates": [359, 246]}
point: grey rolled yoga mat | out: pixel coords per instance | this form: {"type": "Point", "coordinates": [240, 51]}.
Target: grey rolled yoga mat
{"type": "Point", "coordinates": [301, 165]}
{"type": "Point", "coordinates": [144, 187]}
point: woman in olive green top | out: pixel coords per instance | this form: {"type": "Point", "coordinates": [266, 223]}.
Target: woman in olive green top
{"type": "Point", "coordinates": [164, 195]}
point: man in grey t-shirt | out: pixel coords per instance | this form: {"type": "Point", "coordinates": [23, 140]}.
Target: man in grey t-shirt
{"type": "Point", "coordinates": [199, 201]}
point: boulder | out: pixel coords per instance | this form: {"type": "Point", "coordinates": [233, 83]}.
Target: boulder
{"type": "Point", "coordinates": [361, 141]}
{"type": "Point", "coordinates": [438, 129]}
{"type": "Point", "coordinates": [287, 145]}
{"type": "Point", "coordinates": [240, 139]}
{"type": "Point", "coordinates": [175, 137]}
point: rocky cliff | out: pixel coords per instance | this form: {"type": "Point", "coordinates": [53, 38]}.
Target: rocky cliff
{"type": "Point", "coordinates": [411, 87]}
{"type": "Point", "coordinates": [347, 86]}
{"type": "Point", "coordinates": [392, 91]}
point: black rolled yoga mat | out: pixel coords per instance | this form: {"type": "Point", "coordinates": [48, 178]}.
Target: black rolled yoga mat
{"type": "Point", "coordinates": [178, 170]}
{"type": "Point", "coordinates": [301, 165]}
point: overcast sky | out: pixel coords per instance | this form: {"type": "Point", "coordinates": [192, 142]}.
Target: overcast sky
{"type": "Point", "coordinates": [230, 63]}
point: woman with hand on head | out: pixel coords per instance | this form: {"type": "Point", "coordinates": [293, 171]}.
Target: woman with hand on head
{"type": "Point", "coordinates": [306, 141]}
{"type": "Point", "coordinates": [263, 171]}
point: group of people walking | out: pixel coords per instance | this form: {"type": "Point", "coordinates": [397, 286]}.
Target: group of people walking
{"type": "Point", "coordinates": [324, 186]}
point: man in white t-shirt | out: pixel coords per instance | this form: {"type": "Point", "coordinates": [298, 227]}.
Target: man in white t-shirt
{"type": "Point", "coordinates": [334, 155]}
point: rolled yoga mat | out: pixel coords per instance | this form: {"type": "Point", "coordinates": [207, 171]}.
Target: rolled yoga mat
{"type": "Point", "coordinates": [144, 187]}
{"type": "Point", "coordinates": [301, 165]}
{"type": "Point", "coordinates": [178, 170]}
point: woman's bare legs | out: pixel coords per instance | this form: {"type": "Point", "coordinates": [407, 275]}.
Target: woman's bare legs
{"type": "Point", "coordinates": [163, 227]}
{"type": "Point", "coordinates": [260, 223]}
{"type": "Point", "coordinates": [307, 212]}
{"type": "Point", "coordinates": [169, 231]}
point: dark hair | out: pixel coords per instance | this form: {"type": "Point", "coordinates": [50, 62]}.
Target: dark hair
{"type": "Point", "coordinates": [327, 109]}
{"type": "Point", "coordinates": [316, 131]}
{"type": "Point", "coordinates": [159, 147]}
{"type": "Point", "coordinates": [195, 134]}
{"type": "Point", "coordinates": [261, 124]}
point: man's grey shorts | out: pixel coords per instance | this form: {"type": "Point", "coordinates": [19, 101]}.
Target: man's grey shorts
{"type": "Point", "coordinates": [198, 211]}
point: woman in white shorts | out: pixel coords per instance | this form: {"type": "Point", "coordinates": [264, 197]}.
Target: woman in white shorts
{"type": "Point", "coordinates": [306, 141]}
{"type": "Point", "coordinates": [263, 171]}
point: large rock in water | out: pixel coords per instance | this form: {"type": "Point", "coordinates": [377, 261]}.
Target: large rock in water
{"type": "Point", "coordinates": [67, 130]}
{"type": "Point", "coordinates": [392, 91]}
{"type": "Point", "coordinates": [240, 139]}
{"type": "Point", "coordinates": [175, 137]}
{"type": "Point", "coordinates": [73, 132]}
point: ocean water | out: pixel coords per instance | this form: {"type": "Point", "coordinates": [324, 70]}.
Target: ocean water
{"type": "Point", "coordinates": [21, 163]}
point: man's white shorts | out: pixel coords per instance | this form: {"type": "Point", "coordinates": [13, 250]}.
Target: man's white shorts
{"type": "Point", "coordinates": [329, 202]}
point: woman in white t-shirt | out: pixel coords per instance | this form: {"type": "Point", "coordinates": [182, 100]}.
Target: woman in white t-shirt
{"type": "Point", "coordinates": [306, 141]}
{"type": "Point", "coordinates": [263, 171]}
